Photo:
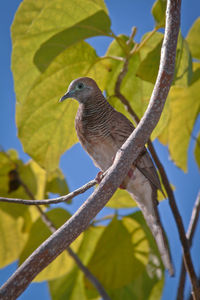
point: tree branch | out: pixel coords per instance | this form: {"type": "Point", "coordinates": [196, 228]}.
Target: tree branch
{"type": "Point", "coordinates": [77, 260]}
{"type": "Point", "coordinates": [67, 233]}
{"type": "Point", "coordinates": [79, 263]}
{"type": "Point", "coordinates": [190, 234]}
{"type": "Point", "coordinates": [64, 198]}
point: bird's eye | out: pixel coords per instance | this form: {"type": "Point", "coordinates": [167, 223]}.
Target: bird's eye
{"type": "Point", "coordinates": [80, 85]}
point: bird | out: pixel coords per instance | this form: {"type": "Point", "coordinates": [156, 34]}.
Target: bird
{"type": "Point", "coordinates": [102, 130]}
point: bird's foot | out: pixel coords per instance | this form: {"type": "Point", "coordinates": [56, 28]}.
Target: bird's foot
{"type": "Point", "coordinates": [99, 177]}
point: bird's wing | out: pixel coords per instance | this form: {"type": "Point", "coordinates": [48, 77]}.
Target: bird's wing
{"type": "Point", "coordinates": [120, 130]}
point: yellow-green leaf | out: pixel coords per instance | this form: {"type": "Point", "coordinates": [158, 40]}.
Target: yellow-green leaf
{"type": "Point", "coordinates": [9, 163]}
{"type": "Point", "coordinates": [46, 127]}
{"type": "Point", "coordinates": [133, 248]}
{"type": "Point", "coordinates": [39, 233]}
{"type": "Point", "coordinates": [184, 106]}
{"type": "Point", "coordinates": [137, 94]}
{"type": "Point", "coordinates": [56, 183]}
{"type": "Point", "coordinates": [121, 199]}
{"type": "Point", "coordinates": [70, 287]}
{"type": "Point", "coordinates": [38, 24]}
{"type": "Point", "coordinates": [148, 68]}
{"type": "Point", "coordinates": [158, 12]}
{"type": "Point", "coordinates": [12, 232]}
{"type": "Point", "coordinates": [183, 66]}
{"type": "Point", "coordinates": [142, 287]}
{"type": "Point", "coordinates": [193, 39]}
{"type": "Point", "coordinates": [197, 151]}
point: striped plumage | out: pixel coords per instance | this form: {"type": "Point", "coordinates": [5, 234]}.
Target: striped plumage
{"type": "Point", "coordinates": [102, 131]}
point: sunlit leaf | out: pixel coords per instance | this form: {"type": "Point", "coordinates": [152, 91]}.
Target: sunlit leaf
{"type": "Point", "coordinates": [121, 199]}
{"type": "Point", "coordinates": [148, 68]}
{"type": "Point", "coordinates": [133, 248]}
{"type": "Point", "coordinates": [143, 287]}
{"type": "Point", "coordinates": [184, 106]}
{"type": "Point", "coordinates": [197, 151]}
{"type": "Point", "coordinates": [56, 183]}
{"type": "Point", "coordinates": [158, 11]}
{"type": "Point", "coordinates": [137, 94]}
{"type": "Point", "coordinates": [24, 172]}
{"type": "Point", "coordinates": [38, 233]}
{"type": "Point", "coordinates": [72, 285]}
{"type": "Point", "coordinates": [46, 28]}
{"type": "Point", "coordinates": [156, 292]}
{"type": "Point", "coordinates": [183, 66]}
{"type": "Point", "coordinates": [193, 39]}
{"type": "Point", "coordinates": [13, 234]}
{"type": "Point", "coordinates": [163, 136]}
{"type": "Point", "coordinates": [46, 127]}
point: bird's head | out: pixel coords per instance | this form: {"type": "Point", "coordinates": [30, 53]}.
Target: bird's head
{"type": "Point", "coordinates": [81, 89]}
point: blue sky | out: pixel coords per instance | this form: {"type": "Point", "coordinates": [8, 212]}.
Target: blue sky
{"type": "Point", "coordinates": [75, 162]}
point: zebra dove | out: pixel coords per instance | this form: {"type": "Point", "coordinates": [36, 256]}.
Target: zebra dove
{"type": "Point", "coordinates": [102, 130]}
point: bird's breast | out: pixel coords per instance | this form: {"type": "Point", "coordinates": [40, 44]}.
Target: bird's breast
{"type": "Point", "coordinates": [96, 142]}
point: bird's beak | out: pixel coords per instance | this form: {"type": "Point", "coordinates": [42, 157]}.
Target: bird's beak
{"type": "Point", "coordinates": [67, 95]}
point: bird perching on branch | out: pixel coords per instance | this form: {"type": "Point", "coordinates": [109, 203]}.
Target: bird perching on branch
{"type": "Point", "coordinates": [102, 131]}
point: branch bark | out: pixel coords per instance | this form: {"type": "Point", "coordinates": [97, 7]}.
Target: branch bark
{"type": "Point", "coordinates": [190, 234]}
{"type": "Point", "coordinates": [64, 198]}
{"type": "Point", "coordinates": [96, 283]}
{"type": "Point", "coordinates": [53, 229]}
{"type": "Point", "coordinates": [63, 237]}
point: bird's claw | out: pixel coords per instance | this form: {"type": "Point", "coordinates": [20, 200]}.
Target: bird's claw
{"type": "Point", "coordinates": [99, 177]}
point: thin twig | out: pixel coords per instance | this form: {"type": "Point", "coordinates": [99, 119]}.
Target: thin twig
{"type": "Point", "coordinates": [79, 263]}
{"type": "Point", "coordinates": [149, 35]}
{"type": "Point", "coordinates": [190, 233]}
{"type": "Point", "coordinates": [64, 198]}
{"type": "Point", "coordinates": [125, 156]}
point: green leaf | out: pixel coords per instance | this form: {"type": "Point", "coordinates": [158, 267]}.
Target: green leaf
{"type": "Point", "coordinates": [143, 287]}
{"type": "Point", "coordinates": [164, 120]}
{"type": "Point", "coordinates": [138, 93]}
{"type": "Point", "coordinates": [156, 292]}
{"type": "Point", "coordinates": [121, 199]}
{"type": "Point", "coordinates": [193, 39]}
{"type": "Point", "coordinates": [197, 151]}
{"type": "Point", "coordinates": [40, 177]}
{"type": "Point", "coordinates": [148, 68]}
{"type": "Point", "coordinates": [46, 127]}
{"type": "Point", "coordinates": [39, 24]}
{"type": "Point", "coordinates": [13, 232]}
{"type": "Point", "coordinates": [163, 136]}
{"type": "Point", "coordinates": [183, 66]}
{"type": "Point", "coordinates": [56, 183]}
{"type": "Point", "coordinates": [70, 287]}
{"type": "Point", "coordinates": [158, 12]}
{"type": "Point", "coordinates": [154, 266]}
{"type": "Point", "coordinates": [23, 172]}
{"type": "Point", "coordinates": [184, 106]}
{"type": "Point", "coordinates": [39, 233]}
{"type": "Point", "coordinates": [133, 248]}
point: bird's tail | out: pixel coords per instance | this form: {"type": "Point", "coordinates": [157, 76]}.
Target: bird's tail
{"type": "Point", "coordinates": [149, 209]}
